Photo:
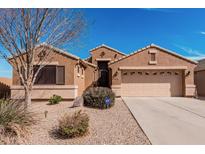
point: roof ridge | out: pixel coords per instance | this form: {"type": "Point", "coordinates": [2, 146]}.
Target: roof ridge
{"type": "Point", "coordinates": [104, 45]}
{"type": "Point", "coordinates": [69, 54]}
{"type": "Point", "coordinates": [131, 53]}
{"type": "Point", "coordinates": [174, 53]}
{"type": "Point", "coordinates": [59, 50]}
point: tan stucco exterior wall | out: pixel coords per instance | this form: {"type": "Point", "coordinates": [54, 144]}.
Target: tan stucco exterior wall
{"type": "Point", "coordinates": [79, 79]}
{"type": "Point", "coordinates": [67, 91]}
{"type": "Point", "coordinates": [200, 82]}
{"type": "Point", "coordinates": [90, 75]}
{"type": "Point", "coordinates": [46, 91]}
{"type": "Point", "coordinates": [142, 58]}
{"type": "Point", "coordinates": [200, 78]}
{"type": "Point", "coordinates": [96, 54]}
{"type": "Point", "coordinates": [57, 59]}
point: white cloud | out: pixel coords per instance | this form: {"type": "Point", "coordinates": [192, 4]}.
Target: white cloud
{"type": "Point", "coordinates": [196, 58]}
{"type": "Point", "coordinates": [193, 54]}
{"type": "Point", "coordinates": [203, 33]}
{"type": "Point", "coordinates": [191, 51]}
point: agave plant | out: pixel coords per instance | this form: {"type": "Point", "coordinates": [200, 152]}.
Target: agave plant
{"type": "Point", "coordinates": [14, 121]}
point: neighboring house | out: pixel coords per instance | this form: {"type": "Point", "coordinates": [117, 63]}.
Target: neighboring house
{"type": "Point", "coordinates": [200, 78]}
{"type": "Point", "coordinates": [151, 71]}
{"type": "Point", "coordinates": [5, 84]}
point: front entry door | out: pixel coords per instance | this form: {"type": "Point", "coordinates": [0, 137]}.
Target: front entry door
{"type": "Point", "coordinates": [103, 80]}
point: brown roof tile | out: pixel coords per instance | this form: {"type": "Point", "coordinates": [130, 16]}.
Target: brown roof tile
{"type": "Point", "coordinates": [6, 81]}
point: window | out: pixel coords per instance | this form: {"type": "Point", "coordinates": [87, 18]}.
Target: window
{"type": "Point", "coordinates": [50, 75]}
{"type": "Point", "coordinates": [78, 70]}
{"type": "Point", "coordinates": [153, 57]}
{"type": "Point", "coordinates": [60, 75]}
{"type": "Point", "coordinates": [115, 56]}
{"type": "Point", "coordinates": [82, 72]}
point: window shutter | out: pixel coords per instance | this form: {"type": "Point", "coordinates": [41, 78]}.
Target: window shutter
{"type": "Point", "coordinates": [60, 75]}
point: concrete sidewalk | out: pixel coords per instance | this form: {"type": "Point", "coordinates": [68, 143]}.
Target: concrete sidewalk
{"type": "Point", "coordinates": [168, 120]}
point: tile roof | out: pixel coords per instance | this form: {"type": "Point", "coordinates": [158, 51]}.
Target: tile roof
{"type": "Point", "coordinates": [202, 60]}
{"type": "Point", "coordinates": [106, 46]}
{"type": "Point", "coordinates": [66, 53]}
{"type": "Point", "coordinates": [59, 50]}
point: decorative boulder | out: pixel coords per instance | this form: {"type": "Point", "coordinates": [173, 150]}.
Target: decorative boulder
{"type": "Point", "coordinates": [78, 101]}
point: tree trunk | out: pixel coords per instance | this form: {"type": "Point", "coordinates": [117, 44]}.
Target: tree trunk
{"type": "Point", "coordinates": [27, 102]}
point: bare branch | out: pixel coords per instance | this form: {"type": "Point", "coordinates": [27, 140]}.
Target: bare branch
{"type": "Point", "coordinates": [23, 30]}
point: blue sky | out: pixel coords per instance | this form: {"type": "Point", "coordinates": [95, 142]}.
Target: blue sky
{"type": "Point", "coordinates": [180, 30]}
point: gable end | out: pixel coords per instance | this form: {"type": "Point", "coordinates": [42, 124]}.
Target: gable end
{"type": "Point", "coordinates": [157, 47]}
{"type": "Point", "coordinates": [107, 47]}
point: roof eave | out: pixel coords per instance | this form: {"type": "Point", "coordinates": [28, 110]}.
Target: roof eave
{"type": "Point", "coordinates": [106, 46]}
{"type": "Point", "coordinates": [173, 53]}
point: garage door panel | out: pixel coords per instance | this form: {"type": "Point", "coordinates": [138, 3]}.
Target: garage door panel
{"type": "Point", "coordinates": [160, 83]}
{"type": "Point", "coordinates": [146, 89]}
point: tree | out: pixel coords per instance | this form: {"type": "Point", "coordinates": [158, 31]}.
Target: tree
{"type": "Point", "coordinates": [22, 30]}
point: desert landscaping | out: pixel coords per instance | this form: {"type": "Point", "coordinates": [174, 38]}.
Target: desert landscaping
{"type": "Point", "coordinates": [111, 126]}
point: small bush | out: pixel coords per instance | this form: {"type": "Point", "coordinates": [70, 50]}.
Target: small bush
{"type": "Point", "coordinates": [55, 99]}
{"type": "Point", "coordinates": [73, 126]}
{"type": "Point", "coordinates": [2, 101]}
{"type": "Point", "coordinates": [99, 97]}
{"type": "Point", "coordinates": [14, 122]}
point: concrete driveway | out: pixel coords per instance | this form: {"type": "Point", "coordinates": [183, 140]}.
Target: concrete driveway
{"type": "Point", "coordinates": [168, 120]}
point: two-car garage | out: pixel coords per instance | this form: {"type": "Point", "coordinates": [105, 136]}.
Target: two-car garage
{"type": "Point", "coordinates": [152, 82]}
{"type": "Point", "coordinates": [153, 71]}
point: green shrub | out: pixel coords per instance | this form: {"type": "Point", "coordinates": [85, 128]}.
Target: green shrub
{"type": "Point", "coordinates": [14, 121]}
{"type": "Point", "coordinates": [55, 99]}
{"type": "Point", "coordinates": [74, 126]}
{"type": "Point", "coordinates": [99, 97]}
{"type": "Point", "coordinates": [2, 101]}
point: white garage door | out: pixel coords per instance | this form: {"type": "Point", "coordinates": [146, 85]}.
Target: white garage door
{"type": "Point", "coordinates": [151, 83]}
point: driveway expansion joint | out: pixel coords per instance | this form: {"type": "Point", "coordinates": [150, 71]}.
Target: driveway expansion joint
{"type": "Point", "coordinates": [183, 108]}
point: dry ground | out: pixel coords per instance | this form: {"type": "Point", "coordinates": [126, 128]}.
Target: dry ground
{"type": "Point", "coordinates": [111, 126]}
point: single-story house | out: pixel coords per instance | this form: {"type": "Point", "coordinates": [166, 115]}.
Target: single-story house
{"type": "Point", "coordinates": [150, 71]}
{"type": "Point", "coordinates": [65, 75]}
{"type": "Point", "coordinates": [200, 78]}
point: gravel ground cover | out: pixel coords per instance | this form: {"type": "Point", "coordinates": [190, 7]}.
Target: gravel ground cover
{"type": "Point", "coordinates": [112, 126]}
